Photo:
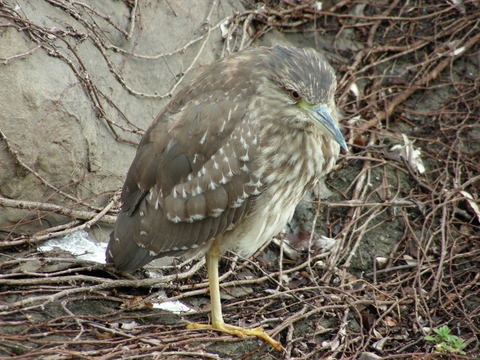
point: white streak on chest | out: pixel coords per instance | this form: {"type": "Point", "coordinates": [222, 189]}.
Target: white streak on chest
{"type": "Point", "coordinates": [287, 177]}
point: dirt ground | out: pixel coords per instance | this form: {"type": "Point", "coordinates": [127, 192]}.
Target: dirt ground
{"type": "Point", "coordinates": [396, 249]}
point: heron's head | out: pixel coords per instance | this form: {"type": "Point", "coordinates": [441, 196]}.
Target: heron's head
{"type": "Point", "coordinates": [304, 89]}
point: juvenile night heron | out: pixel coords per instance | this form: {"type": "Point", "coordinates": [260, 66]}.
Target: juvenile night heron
{"type": "Point", "coordinates": [227, 161]}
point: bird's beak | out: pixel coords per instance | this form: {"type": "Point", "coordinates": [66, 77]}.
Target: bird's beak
{"type": "Point", "coordinates": [322, 114]}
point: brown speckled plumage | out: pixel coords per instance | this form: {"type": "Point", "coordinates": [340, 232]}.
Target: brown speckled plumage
{"type": "Point", "coordinates": [229, 158]}
{"type": "Point", "coordinates": [225, 164]}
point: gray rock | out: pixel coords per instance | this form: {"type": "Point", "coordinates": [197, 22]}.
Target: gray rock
{"type": "Point", "coordinates": [48, 114]}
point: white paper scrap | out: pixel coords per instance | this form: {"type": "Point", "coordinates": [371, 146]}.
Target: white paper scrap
{"type": "Point", "coordinates": [79, 244]}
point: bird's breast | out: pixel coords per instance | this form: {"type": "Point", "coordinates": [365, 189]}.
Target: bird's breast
{"type": "Point", "coordinates": [288, 167]}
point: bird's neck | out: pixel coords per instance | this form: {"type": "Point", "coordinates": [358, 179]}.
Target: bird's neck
{"type": "Point", "coordinates": [296, 156]}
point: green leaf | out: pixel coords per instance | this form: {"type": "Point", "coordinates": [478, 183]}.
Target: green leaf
{"type": "Point", "coordinates": [445, 342]}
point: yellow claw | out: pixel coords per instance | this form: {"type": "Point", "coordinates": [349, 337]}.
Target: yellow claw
{"type": "Point", "coordinates": [239, 331]}
{"type": "Point", "coordinates": [212, 257]}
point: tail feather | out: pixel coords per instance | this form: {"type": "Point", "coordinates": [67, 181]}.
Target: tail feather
{"type": "Point", "coordinates": [124, 253]}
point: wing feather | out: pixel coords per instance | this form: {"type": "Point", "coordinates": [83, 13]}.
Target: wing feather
{"type": "Point", "coordinates": [188, 182]}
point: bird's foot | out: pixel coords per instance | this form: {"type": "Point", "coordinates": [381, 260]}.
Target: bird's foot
{"type": "Point", "coordinates": [239, 331]}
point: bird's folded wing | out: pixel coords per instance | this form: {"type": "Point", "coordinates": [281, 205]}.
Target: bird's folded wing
{"type": "Point", "coordinates": [193, 177]}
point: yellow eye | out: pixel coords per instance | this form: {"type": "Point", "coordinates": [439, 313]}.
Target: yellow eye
{"type": "Point", "coordinates": [295, 95]}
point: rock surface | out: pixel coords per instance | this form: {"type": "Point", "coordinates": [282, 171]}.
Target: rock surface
{"type": "Point", "coordinates": [71, 98]}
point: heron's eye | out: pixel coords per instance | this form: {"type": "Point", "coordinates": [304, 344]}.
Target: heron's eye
{"type": "Point", "coordinates": [294, 95]}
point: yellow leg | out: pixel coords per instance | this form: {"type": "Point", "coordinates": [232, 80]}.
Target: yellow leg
{"type": "Point", "coordinates": [213, 257]}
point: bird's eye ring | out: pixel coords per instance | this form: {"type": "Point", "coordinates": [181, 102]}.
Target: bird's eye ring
{"type": "Point", "coordinates": [294, 95]}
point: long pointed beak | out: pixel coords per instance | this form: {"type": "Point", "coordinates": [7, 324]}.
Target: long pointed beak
{"type": "Point", "coordinates": [322, 114]}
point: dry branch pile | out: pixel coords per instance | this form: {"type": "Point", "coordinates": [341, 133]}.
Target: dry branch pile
{"type": "Point", "coordinates": [412, 80]}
